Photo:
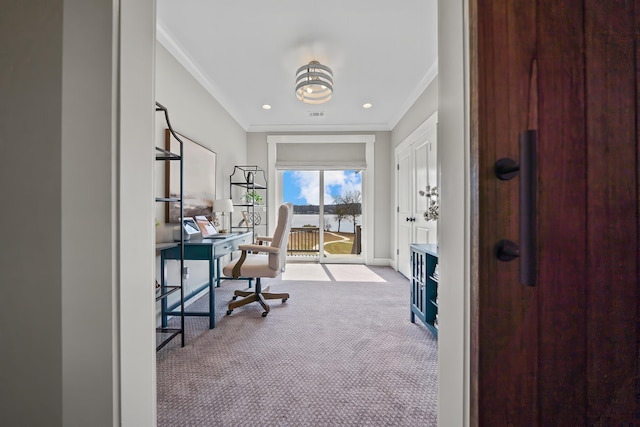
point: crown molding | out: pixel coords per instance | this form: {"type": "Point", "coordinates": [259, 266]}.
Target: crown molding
{"type": "Point", "coordinates": [380, 127]}
{"type": "Point", "coordinates": [168, 40]}
{"type": "Point", "coordinates": [426, 80]}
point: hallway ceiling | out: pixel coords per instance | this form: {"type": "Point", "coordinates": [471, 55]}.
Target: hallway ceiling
{"type": "Point", "coordinates": [246, 53]}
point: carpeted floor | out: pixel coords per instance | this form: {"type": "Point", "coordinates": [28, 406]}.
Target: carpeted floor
{"type": "Point", "coordinates": [337, 353]}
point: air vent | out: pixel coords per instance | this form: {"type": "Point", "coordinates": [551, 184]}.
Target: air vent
{"type": "Point", "coordinates": [316, 113]}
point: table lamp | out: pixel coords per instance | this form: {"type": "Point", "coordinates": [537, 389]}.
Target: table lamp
{"type": "Point", "coordinates": [223, 206]}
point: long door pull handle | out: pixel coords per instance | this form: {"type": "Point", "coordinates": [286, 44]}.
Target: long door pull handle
{"type": "Point", "coordinates": [506, 169]}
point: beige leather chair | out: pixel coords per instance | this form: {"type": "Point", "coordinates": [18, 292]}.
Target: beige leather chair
{"type": "Point", "coordinates": [263, 261]}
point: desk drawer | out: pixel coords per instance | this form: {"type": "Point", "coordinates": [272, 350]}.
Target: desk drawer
{"type": "Point", "coordinates": [242, 241]}
{"type": "Point", "coordinates": [225, 248]}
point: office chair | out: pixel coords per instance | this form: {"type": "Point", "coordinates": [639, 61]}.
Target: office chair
{"type": "Point", "coordinates": [255, 265]}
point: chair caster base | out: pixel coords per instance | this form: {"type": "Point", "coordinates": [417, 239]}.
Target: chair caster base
{"type": "Point", "coordinates": [264, 313]}
{"type": "Point", "coordinates": [229, 312]}
{"type": "Point", "coordinates": [235, 297]}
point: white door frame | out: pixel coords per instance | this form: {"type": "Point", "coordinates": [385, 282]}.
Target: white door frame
{"type": "Point", "coordinates": [368, 213]}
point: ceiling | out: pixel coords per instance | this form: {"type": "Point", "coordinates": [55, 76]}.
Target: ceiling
{"type": "Point", "coordinates": [246, 53]}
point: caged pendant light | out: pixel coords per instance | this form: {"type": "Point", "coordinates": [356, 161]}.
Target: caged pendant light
{"type": "Point", "coordinates": [314, 83]}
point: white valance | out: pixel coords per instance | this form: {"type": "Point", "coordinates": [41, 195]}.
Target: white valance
{"type": "Point", "coordinates": [325, 152]}
{"type": "Point", "coordinates": [321, 156]}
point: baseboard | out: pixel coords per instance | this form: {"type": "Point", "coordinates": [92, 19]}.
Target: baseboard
{"type": "Point", "coordinates": [385, 262]}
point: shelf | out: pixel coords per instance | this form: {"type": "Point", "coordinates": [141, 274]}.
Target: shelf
{"type": "Point", "coordinates": [245, 180]}
{"type": "Point", "coordinates": [173, 332]}
{"type": "Point", "coordinates": [166, 154]}
{"type": "Point", "coordinates": [168, 199]}
{"type": "Point", "coordinates": [249, 185]}
{"type": "Point", "coordinates": [163, 292]}
{"type": "Point", "coordinates": [168, 291]}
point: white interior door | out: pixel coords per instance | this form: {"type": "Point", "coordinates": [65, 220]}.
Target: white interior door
{"type": "Point", "coordinates": [417, 170]}
{"type": "Point", "coordinates": [404, 180]}
{"type": "Point", "coordinates": [433, 177]}
{"type": "Point", "coordinates": [421, 228]}
{"type": "Point", "coordinates": [426, 178]}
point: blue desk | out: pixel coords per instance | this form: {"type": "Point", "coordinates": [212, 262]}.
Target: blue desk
{"type": "Point", "coordinates": [210, 250]}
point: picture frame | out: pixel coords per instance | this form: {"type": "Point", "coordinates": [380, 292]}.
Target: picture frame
{"type": "Point", "coordinates": [246, 219]}
{"type": "Point", "coordinates": [191, 227]}
{"type": "Point", "coordinates": [206, 227]}
{"type": "Point", "coordinates": [199, 178]}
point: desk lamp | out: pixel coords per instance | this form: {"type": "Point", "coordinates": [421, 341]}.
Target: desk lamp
{"type": "Point", "coordinates": [223, 206]}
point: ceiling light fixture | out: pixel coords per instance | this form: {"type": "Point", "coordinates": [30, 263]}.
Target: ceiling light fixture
{"type": "Point", "coordinates": [367, 105]}
{"type": "Point", "coordinates": [266, 107]}
{"type": "Point", "coordinates": [314, 83]}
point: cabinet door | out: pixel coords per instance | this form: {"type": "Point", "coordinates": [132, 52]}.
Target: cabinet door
{"type": "Point", "coordinates": [418, 291]}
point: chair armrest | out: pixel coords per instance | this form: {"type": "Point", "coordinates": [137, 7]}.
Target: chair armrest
{"type": "Point", "coordinates": [264, 238]}
{"type": "Point", "coordinates": [243, 256]}
{"type": "Point", "coordinates": [259, 248]}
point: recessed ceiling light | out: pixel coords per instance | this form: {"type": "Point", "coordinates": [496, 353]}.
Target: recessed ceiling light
{"type": "Point", "coordinates": [266, 107]}
{"type": "Point", "coordinates": [367, 105]}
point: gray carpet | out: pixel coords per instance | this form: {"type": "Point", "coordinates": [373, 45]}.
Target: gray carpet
{"type": "Point", "coordinates": [335, 354]}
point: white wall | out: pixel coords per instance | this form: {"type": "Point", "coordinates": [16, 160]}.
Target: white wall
{"type": "Point", "coordinates": [196, 114]}
{"type": "Point", "coordinates": [89, 284]}
{"type": "Point", "coordinates": [421, 110]}
{"type": "Point", "coordinates": [66, 338]}
{"type": "Point", "coordinates": [257, 154]}
{"type": "Point", "coordinates": [30, 265]}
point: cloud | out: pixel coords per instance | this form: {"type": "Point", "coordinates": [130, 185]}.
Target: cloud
{"type": "Point", "coordinates": [335, 182]}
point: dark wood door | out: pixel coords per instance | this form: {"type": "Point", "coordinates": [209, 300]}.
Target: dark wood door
{"type": "Point", "coordinates": [565, 352]}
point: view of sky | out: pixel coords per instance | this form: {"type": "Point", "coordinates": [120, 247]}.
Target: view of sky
{"type": "Point", "coordinates": [303, 187]}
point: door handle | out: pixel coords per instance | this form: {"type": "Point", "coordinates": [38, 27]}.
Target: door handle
{"type": "Point", "coordinates": [506, 169]}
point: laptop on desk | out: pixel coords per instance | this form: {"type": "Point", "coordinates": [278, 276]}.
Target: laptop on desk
{"type": "Point", "coordinates": [219, 235]}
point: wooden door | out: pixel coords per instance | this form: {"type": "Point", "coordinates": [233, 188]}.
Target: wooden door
{"type": "Point", "coordinates": [566, 351]}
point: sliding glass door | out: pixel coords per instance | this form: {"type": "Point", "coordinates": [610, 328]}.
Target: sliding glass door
{"type": "Point", "coordinates": [342, 229]}
{"type": "Point", "coordinates": [327, 220]}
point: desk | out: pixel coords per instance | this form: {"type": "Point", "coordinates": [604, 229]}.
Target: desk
{"type": "Point", "coordinates": [200, 250]}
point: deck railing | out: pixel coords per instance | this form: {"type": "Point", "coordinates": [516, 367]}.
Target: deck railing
{"type": "Point", "coordinates": [303, 241]}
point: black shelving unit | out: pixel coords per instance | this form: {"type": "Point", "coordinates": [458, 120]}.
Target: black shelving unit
{"type": "Point", "coordinates": [248, 215]}
{"type": "Point", "coordinates": [424, 285]}
{"type": "Point", "coordinates": [164, 334]}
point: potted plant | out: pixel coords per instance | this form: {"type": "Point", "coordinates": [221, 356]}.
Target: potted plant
{"type": "Point", "coordinates": [253, 197]}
